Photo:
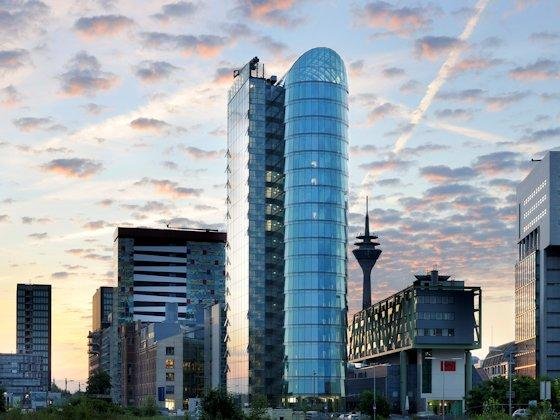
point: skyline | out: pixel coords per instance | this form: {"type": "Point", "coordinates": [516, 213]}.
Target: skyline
{"type": "Point", "coordinates": [141, 139]}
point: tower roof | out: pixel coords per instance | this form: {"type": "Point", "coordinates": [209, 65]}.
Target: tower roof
{"type": "Point", "coordinates": [367, 239]}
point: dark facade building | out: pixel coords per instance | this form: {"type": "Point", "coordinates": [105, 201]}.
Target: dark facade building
{"type": "Point", "coordinates": [214, 347]}
{"type": "Point", "coordinates": [424, 333]}
{"type": "Point", "coordinates": [500, 361]}
{"type": "Point", "coordinates": [156, 267]}
{"type": "Point", "coordinates": [21, 374]}
{"type": "Point", "coordinates": [537, 272]}
{"type": "Point", "coordinates": [287, 230]}
{"type": "Point", "coordinates": [34, 326]}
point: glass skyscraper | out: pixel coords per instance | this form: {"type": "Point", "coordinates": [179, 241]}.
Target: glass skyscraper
{"type": "Point", "coordinates": [287, 229]}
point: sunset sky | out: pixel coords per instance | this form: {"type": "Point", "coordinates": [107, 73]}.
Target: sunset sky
{"type": "Point", "coordinates": [113, 112]}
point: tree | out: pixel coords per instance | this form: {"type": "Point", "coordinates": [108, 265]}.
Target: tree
{"type": "Point", "coordinates": [365, 404]}
{"type": "Point", "coordinates": [219, 405]}
{"type": "Point", "coordinates": [258, 408]}
{"type": "Point", "coordinates": [99, 383]}
{"type": "Point", "coordinates": [149, 408]}
{"type": "Point", "coordinates": [2, 401]}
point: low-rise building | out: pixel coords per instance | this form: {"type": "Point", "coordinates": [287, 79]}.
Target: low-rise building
{"type": "Point", "coordinates": [500, 360]}
{"type": "Point", "coordinates": [425, 333]}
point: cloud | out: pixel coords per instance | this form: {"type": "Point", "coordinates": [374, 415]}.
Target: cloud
{"type": "Point", "coordinates": [391, 72]}
{"type": "Point", "coordinates": [456, 113]}
{"type": "Point", "coordinates": [196, 153]}
{"type": "Point", "coordinates": [403, 20]}
{"type": "Point", "coordinates": [149, 124]}
{"type": "Point", "coordinates": [74, 167]}
{"type": "Point", "coordinates": [94, 109]}
{"type": "Point", "coordinates": [389, 182]}
{"type": "Point", "coordinates": [154, 71]}
{"type": "Point", "coordinates": [170, 188]}
{"type": "Point", "coordinates": [38, 235]}
{"type": "Point", "coordinates": [4, 218]}
{"type": "Point", "coordinates": [223, 75]}
{"type": "Point", "coordinates": [543, 135]}
{"type": "Point", "coordinates": [206, 46]}
{"type": "Point", "coordinates": [28, 124]}
{"type": "Point", "coordinates": [84, 76]}
{"type": "Point", "coordinates": [410, 86]}
{"type": "Point", "coordinates": [170, 165]}
{"type": "Point", "coordinates": [382, 111]}
{"type": "Point", "coordinates": [445, 192]}
{"type": "Point", "coordinates": [10, 96]}
{"type": "Point", "coordinates": [177, 10]}
{"type": "Point", "coordinates": [444, 174]}
{"type": "Point", "coordinates": [499, 102]}
{"type": "Point", "coordinates": [17, 17]}
{"type": "Point", "coordinates": [386, 165]}
{"type": "Point", "coordinates": [60, 275]}
{"type": "Point", "coordinates": [545, 36]}
{"type": "Point", "coordinates": [499, 162]}
{"type": "Point", "coordinates": [431, 47]}
{"type": "Point", "coordinates": [105, 25]}
{"type": "Point", "coordinates": [95, 225]}
{"type": "Point", "coordinates": [356, 67]}
{"type": "Point", "coordinates": [106, 202]}
{"type": "Point", "coordinates": [466, 95]}
{"type": "Point", "coordinates": [539, 70]}
{"type": "Point", "coordinates": [424, 148]}
{"type": "Point", "coordinates": [183, 222]}
{"type": "Point", "coordinates": [475, 64]}
{"type": "Point", "coordinates": [271, 12]}
{"type": "Point", "coordinates": [13, 59]}
{"type": "Point", "coordinates": [26, 220]}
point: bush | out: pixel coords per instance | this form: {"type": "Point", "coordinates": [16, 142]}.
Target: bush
{"type": "Point", "coordinates": [219, 405]}
{"type": "Point", "coordinates": [365, 404]}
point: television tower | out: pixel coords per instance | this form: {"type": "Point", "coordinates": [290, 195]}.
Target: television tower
{"type": "Point", "coordinates": [367, 254]}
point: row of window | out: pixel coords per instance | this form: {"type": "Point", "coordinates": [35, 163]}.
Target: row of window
{"type": "Point", "coordinates": [314, 177]}
{"type": "Point", "coordinates": [321, 90]}
{"type": "Point", "coordinates": [435, 332]}
{"type": "Point", "coordinates": [317, 144]}
{"type": "Point", "coordinates": [319, 263]}
{"type": "Point", "coordinates": [445, 316]}
{"type": "Point", "coordinates": [306, 159]}
{"type": "Point", "coordinates": [436, 299]}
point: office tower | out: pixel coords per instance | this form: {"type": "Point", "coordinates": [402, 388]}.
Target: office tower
{"type": "Point", "coordinates": [367, 255]}
{"type": "Point", "coordinates": [422, 337]}
{"type": "Point", "coordinates": [159, 266]}
{"type": "Point", "coordinates": [214, 347]}
{"type": "Point", "coordinates": [316, 185]}
{"type": "Point", "coordinates": [255, 251]}
{"type": "Point", "coordinates": [537, 275]}
{"type": "Point", "coordinates": [155, 267]}
{"type": "Point", "coordinates": [102, 305]}
{"type": "Point", "coordinates": [287, 230]}
{"type": "Point", "coordinates": [34, 326]}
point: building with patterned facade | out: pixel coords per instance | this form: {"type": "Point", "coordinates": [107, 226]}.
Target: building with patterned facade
{"type": "Point", "coordinates": [102, 306]}
{"type": "Point", "coordinates": [424, 334]}
{"type": "Point", "coordinates": [287, 230]}
{"type": "Point", "coordinates": [155, 267]}
{"type": "Point", "coordinates": [537, 271]}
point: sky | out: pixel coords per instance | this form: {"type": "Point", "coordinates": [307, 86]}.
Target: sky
{"type": "Point", "coordinates": [113, 113]}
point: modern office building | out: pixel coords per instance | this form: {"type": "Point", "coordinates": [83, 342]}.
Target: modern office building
{"type": "Point", "coordinates": [102, 305]}
{"type": "Point", "coordinates": [500, 361]}
{"type": "Point", "coordinates": [537, 271]}
{"type": "Point", "coordinates": [155, 267]}
{"type": "Point", "coordinates": [287, 230]}
{"type": "Point", "coordinates": [214, 347]}
{"type": "Point", "coordinates": [34, 326]}
{"type": "Point", "coordinates": [21, 374]}
{"type": "Point", "coordinates": [427, 331]}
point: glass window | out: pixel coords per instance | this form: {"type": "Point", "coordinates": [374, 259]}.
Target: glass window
{"type": "Point", "coordinates": [170, 376]}
{"type": "Point", "coordinates": [170, 351]}
{"type": "Point", "coordinates": [169, 363]}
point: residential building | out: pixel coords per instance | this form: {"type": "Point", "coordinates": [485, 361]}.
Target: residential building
{"type": "Point", "coordinates": [500, 361]}
{"type": "Point", "coordinates": [424, 334]}
{"type": "Point", "coordinates": [287, 230]}
{"type": "Point", "coordinates": [155, 267]}
{"type": "Point", "coordinates": [34, 327]}
{"type": "Point", "coordinates": [537, 271]}
{"type": "Point", "coordinates": [21, 374]}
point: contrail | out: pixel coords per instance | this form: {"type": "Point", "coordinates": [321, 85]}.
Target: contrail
{"type": "Point", "coordinates": [443, 74]}
{"type": "Point", "coordinates": [436, 84]}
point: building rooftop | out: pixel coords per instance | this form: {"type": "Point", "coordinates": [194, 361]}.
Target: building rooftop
{"type": "Point", "coordinates": [167, 236]}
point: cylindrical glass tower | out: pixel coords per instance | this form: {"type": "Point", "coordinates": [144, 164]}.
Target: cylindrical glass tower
{"type": "Point", "coordinates": [316, 187]}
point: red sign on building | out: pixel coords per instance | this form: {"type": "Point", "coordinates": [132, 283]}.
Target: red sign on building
{"type": "Point", "coordinates": [448, 365]}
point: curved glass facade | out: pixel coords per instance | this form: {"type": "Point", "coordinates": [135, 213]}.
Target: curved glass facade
{"type": "Point", "coordinates": [316, 188]}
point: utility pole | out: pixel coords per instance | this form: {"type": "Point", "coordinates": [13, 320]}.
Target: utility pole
{"type": "Point", "coordinates": [510, 375]}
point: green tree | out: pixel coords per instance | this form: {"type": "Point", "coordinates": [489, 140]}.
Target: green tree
{"type": "Point", "coordinates": [149, 408]}
{"type": "Point", "coordinates": [219, 405]}
{"type": "Point", "coordinates": [492, 408]}
{"type": "Point", "coordinates": [258, 408]}
{"type": "Point", "coordinates": [2, 401]}
{"type": "Point", "coordinates": [366, 400]}
{"type": "Point", "coordinates": [99, 383]}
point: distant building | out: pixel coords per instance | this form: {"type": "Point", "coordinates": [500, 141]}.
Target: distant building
{"type": "Point", "coordinates": [21, 374]}
{"type": "Point", "coordinates": [424, 334]}
{"type": "Point", "coordinates": [214, 348]}
{"type": "Point", "coordinates": [499, 359]}
{"type": "Point", "coordinates": [155, 267]}
{"type": "Point", "coordinates": [102, 305]}
{"type": "Point", "coordinates": [537, 279]}
{"type": "Point", "coordinates": [34, 327]}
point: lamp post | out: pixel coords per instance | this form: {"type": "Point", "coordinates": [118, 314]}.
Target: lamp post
{"type": "Point", "coordinates": [443, 379]}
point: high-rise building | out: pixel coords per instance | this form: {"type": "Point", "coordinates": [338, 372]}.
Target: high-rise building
{"type": "Point", "coordinates": [155, 267]}
{"type": "Point", "coordinates": [34, 326]}
{"type": "Point", "coordinates": [537, 271]}
{"type": "Point", "coordinates": [102, 305]}
{"type": "Point", "coordinates": [287, 230]}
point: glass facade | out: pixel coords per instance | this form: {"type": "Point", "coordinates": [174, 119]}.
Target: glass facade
{"type": "Point", "coordinates": [254, 263]}
{"type": "Point", "coordinates": [526, 281]}
{"type": "Point", "coordinates": [316, 188]}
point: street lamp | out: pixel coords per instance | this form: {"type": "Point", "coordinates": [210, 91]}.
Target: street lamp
{"type": "Point", "coordinates": [375, 365]}
{"type": "Point", "coordinates": [443, 379]}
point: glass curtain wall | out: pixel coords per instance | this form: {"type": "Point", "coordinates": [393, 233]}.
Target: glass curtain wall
{"type": "Point", "coordinates": [316, 188]}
